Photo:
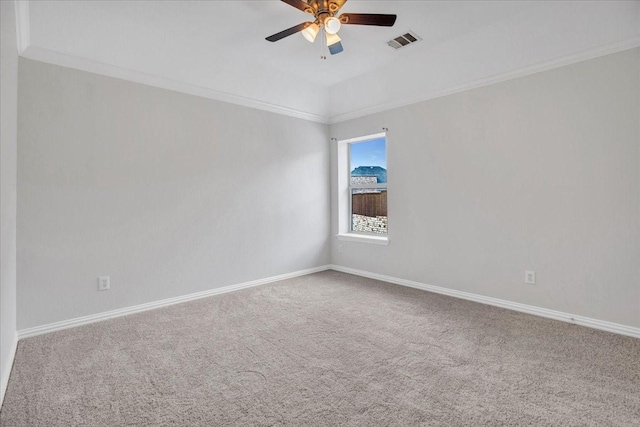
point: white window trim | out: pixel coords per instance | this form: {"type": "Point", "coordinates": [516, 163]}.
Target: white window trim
{"type": "Point", "coordinates": [344, 199]}
{"type": "Point", "coordinates": [363, 238]}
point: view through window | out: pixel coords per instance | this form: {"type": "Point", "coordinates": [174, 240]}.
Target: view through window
{"type": "Point", "coordinates": [368, 186]}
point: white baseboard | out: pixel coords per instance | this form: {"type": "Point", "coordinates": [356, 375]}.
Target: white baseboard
{"type": "Point", "coordinates": [524, 308]}
{"type": "Point", "coordinates": [85, 320]}
{"type": "Point", "coordinates": [6, 369]}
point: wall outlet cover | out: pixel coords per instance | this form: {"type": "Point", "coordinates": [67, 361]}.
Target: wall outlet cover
{"type": "Point", "coordinates": [530, 277]}
{"type": "Point", "coordinates": [104, 283]}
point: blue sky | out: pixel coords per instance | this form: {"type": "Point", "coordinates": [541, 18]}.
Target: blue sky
{"type": "Point", "coordinates": [369, 153]}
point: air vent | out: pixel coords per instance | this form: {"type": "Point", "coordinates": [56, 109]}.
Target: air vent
{"type": "Point", "coordinates": [404, 40]}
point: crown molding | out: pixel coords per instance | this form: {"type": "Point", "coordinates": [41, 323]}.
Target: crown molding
{"type": "Point", "coordinates": [560, 61]}
{"type": "Point", "coordinates": [91, 66]}
{"type": "Point", "coordinates": [71, 61]}
{"type": "Point", "coordinates": [22, 25]}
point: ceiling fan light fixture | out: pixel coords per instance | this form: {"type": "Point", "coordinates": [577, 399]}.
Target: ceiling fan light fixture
{"type": "Point", "coordinates": [311, 32]}
{"type": "Point", "coordinates": [333, 43]}
{"type": "Point", "coordinates": [332, 25]}
{"type": "Point", "coordinates": [333, 39]}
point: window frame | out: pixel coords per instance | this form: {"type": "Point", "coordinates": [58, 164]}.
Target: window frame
{"type": "Point", "coordinates": [345, 197]}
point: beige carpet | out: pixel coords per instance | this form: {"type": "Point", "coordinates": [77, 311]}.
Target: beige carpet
{"type": "Point", "coordinates": [327, 349]}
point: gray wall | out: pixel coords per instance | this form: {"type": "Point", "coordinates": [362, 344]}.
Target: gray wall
{"type": "Point", "coordinates": [171, 194]}
{"type": "Point", "coordinates": [8, 165]}
{"type": "Point", "coordinates": [167, 193]}
{"type": "Point", "coordinates": [538, 173]}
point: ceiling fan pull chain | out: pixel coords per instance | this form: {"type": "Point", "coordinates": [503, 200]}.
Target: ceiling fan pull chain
{"type": "Point", "coordinates": [323, 44]}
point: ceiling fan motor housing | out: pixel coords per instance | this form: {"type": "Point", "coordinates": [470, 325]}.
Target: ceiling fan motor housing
{"type": "Point", "coordinates": [322, 9]}
{"type": "Point", "coordinates": [324, 13]}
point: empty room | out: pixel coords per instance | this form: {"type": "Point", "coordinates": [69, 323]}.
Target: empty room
{"type": "Point", "coordinates": [320, 213]}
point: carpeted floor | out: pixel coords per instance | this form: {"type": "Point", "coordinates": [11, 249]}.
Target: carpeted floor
{"type": "Point", "coordinates": [327, 349]}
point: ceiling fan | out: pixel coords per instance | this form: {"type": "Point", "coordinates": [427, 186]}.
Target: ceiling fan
{"type": "Point", "coordinates": [327, 23]}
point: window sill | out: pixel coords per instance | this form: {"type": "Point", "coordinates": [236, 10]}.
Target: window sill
{"type": "Point", "coordinates": [362, 238]}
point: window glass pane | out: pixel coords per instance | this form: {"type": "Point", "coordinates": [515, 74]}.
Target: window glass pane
{"type": "Point", "coordinates": [369, 210]}
{"type": "Point", "coordinates": [368, 162]}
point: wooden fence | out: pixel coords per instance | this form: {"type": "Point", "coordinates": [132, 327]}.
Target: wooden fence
{"type": "Point", "coordinates": [369, 204]}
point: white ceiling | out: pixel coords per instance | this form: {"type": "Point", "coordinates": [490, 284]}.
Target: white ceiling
{"type": "Point", "coordinates": [217, 48]}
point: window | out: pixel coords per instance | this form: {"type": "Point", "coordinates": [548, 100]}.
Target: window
{"type": "Point", "coordinates": [368, 186]}
{"type": "Point", "coordinates": [362, 164]}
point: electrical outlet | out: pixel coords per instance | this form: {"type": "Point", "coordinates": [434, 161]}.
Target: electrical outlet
{"type": "Point", "coordinates": [530, 277]}
{"type": "Point", "coordinates": [104, 283]}
{"type": "Point", "coordinates": [340, 248]}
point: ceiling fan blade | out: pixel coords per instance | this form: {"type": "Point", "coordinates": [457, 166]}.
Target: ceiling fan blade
{"type": "Point", "coordinates": [368, 19]}
{"type": "Point", "coordinates": [288, 32]}
{"type": "Point", "coordinates": [335, 48]}
{"type": "Point", "coordinates": [298, 4]}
